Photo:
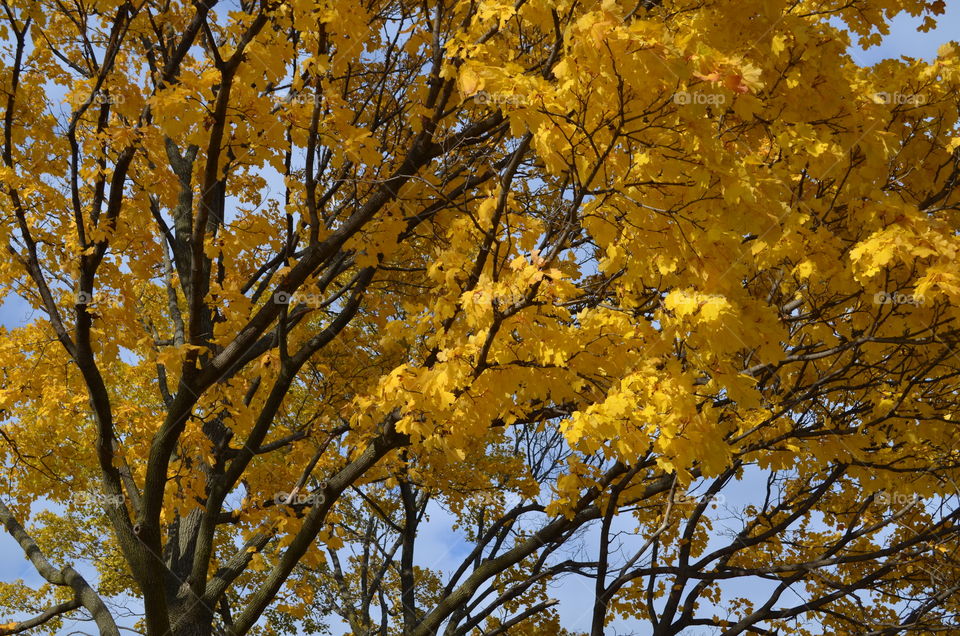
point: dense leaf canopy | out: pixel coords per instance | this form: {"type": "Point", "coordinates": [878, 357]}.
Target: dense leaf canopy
{"type": "Point", "coordinates": [656, 296]}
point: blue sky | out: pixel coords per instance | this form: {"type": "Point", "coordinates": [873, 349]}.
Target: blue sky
{"type": "Point", "coordinates": [439, 542]}
{"type": "Point", "coordinates": [904, 39]}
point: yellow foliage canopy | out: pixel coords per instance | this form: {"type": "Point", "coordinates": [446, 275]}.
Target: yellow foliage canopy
{"type": "Point", "coordinates": [299, 274]}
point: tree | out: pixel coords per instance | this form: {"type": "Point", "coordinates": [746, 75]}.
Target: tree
{"type": "Point", "coordinates": [581, 274]}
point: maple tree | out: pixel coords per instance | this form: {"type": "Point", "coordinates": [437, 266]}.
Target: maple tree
{"type": "Point", "coordinates": [303, 271]}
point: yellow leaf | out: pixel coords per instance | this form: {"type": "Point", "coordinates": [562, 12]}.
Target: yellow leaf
{"type": "Point", "coordinates": [470, 81]}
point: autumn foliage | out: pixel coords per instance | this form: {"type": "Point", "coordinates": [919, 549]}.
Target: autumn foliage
{"type": "Point", "coordinates": [655, 298]}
